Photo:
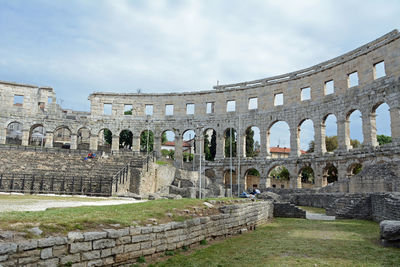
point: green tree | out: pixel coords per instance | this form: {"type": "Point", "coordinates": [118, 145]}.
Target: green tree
{"type": "Point", "coordinates": [357, 169]}
{"type": "Point", "coordinates": [128, 112]}
{"type": "Point", "coordinates": [228, 141]}
{"type": "Point", "coordinates": [125, 138]}
{"type": "Point", "coordinates": [249, 142]}
{"type": "Point", "coordinates": [143, 141]}
{"type": "Point", "coordinates": [331, 143]}
{"type": "Point", "coordinates": [355, 143]}
{"type": "Point", "coordinates": [253, 172]}
{"type": "Point", "coordinates": [207, 151]}
{"type": "Point", "coordinates": [311, 147]}
{"type": "Point", "coordinates": [307, 175]}
{"type": "Point", "coordinates": [332, 174]}
{"type": "Point", "coordinates": [164, 138]}
{"type": "Point", "coordinates": [280, 173]}
{"type": "Point", "coordinates": [107, 136]}
{"type": "Point", "coordinates": [383, 139]}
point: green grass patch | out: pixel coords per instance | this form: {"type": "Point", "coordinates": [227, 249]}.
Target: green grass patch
{"type": "Point", "coordinates": [161, 162]}
{"type": "Point", "coordinates": [62, 220]}
{"type": "Point", "coordinates": [313, 210]}
{"type": "Point", "coordinates": [297, 242]}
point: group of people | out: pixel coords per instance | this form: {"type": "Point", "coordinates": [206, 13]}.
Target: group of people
{"type": "Point", "coordinates": [90, 156]}
{"type": "Point", "coordinates": [252, 194]}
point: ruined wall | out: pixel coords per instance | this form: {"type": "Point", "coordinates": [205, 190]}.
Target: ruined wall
{"type": "Point", "coordinates": [122, 246]}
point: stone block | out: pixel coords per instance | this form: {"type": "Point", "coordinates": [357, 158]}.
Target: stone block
{"type": "Point", "coordinates": [60, 250]}
{"type": "Point", "coordinates": [103, 243]}
{"type": "Point", "coordinates": [106, 252]}
{"type": "Point", "coordinates": [80, 247]}
{"type": "Point", "coordinates": [46, 253]}
{"type": "Point", "coordinates": [145, 245]}
{"type": "Point", "coordinates": [117, 249]}
{"type": "Point", "coordinates": [108, 261]}
{"type": "Point", "coordinates": [390, 230]}
{"type": "Point", "coordinates": [140, 238]}
{"type": "Point", "coordinates": [89, 236]}
{"type": "Point", "coordinates": [27, 245]}
{"type": "Point", "coordinates": [70, 258]}
{"type": "Point", "coordinates": [115, 233]}
{"type": "Point", "coordinates": [90, 255]}
{"type": "Point", "coordinates": [75, 236]}
{"type": "Point", "coordinates": [8, 248]}
{"type": "Point", "coordinates": [131, 247]}
{"type": "Point", "coordinates": [98, 262]}
{"type": "Point", "coordinates": [124, 240]}
{"type": "Point", "coordinates": [49, 263]}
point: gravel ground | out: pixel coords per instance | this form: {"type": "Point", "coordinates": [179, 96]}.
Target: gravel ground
{"type": "Point", "coordinates": [35, 203]}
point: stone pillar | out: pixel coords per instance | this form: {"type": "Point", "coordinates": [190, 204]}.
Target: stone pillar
{"type": "Point", "coordinates": [343, 129]}
{"type": "Point", "coordinates": [74, 141]}
{"type": "Point", "coordinates": [115, 143]}
{"type": "Point", "coordinates": [369, 129]}
{"type": "Point", "coordinates": [267, 144]}
{"type": "Point", "coordinates": [263, 144]}
{"type": "Point", "coordinates": [3, 136]}
{"type": "Point", "coordinates": [93, 142]}
{"type": "Point", "coordinates": [136, 142]}
{"type": "Point", "coordinates": [319, 142]}
{"type": "Point", "coordinates": [25, 137]}
{"type": "Point", "coordinates": [178, 156]}
{"type": "Point", "coordinates": [395, 124]}
{"type": "Point", "coordinates": [319, 177]}
{"type": "Point", "coordinates": [49, 139]}
{"type": "Point", "coordinates": [219, 154]}
{"type": "Point", "coordinates": [241, 149]}
{"type": "Point", "coordinates": [294, 141]}
{"type": "Point", "coordinates": [342, 172]}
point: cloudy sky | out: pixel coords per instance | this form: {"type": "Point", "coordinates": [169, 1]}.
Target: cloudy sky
{"type": "Point", "coordinates": [78, 47]}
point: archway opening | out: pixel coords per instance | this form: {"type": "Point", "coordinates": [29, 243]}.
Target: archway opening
{"type": "Point", "coordinates": [83, 138]}
{"type": "Point", "coordinates": [307, 136]}
{"type": "Point", "coordinates": [146, 141]}
{"type": "Point", "coordinates": [188, 145]}
{"type": "Point", "coordinates": [307, 177]}
{"type": "Point", "coordinates": [252, 179]}
{"type": "Point", "coordinates": [125, 139]}
{"type": "Point", "coordinates": [330, 172]}
{"type": "Point", "coordinates": [168, 144]}
{"type": "Point", "coordinates": [354, 169]}
{"type": "Point", "coordinates": [37, 135]}
{"type": "Point", "coordinates": [14, 133]}
{"type": "Point", "coordinates": [252, 143]}
{"type": "Point", "coordinates": [279, 177]}
{"type": "Point", "coordinates": [382, 121]}
{"type": "Point", "coordinates": [228, 179]}
{"type": "Point", "coordinates": [356, 133]}
{"type": "Point", "coordinates": [330, 128]}
{"type": "Point", "coordinates": [278, 140]}
{"type": "Point", "coordinates": [210, 144]}
{"type": "Point", "coordinates": [105, 140]}
{"type": "Point", "coordinates": [230, 143]}
{"type": "Point", "coordinates": [62, 137]}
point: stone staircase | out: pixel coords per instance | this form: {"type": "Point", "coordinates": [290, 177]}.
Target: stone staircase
{"type": "Point", "coordinates": [53, 172]}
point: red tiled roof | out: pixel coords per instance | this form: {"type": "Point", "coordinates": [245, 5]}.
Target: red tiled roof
{"type": "Point", "coordinates": [170, 143]}
{"type": "Point", "coordinates": [283, 150]}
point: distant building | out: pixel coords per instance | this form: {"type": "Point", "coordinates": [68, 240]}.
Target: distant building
{"type": "Point", "coordinates": [187, 146]}
{"type": "Point", "coordinates": [282, 152]}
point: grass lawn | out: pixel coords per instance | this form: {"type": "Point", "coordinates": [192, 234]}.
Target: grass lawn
{"type": "Point", "coordinates": [62, 220]}
{"type": "Point", "coordinates": [296, 242]}
{"type": "Point", "coordinates": [313, 210]}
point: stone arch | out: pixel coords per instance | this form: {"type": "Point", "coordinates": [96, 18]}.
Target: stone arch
{"type": "Point", "coordinates": [105, 139]}
{"type": "Point", "coordinates": [168, 143]}
{"type": "Point", "coordinates": [188, 145]}
{"type": "Point", "coordinates": [251, 145]}
{"type": "Point", "coordinates": [252, 178]}
{"type": "Point", "coordinates": [330, 173]}
{"type": "Point", "coordinates": [210, 144]}
{"type": "Point", "coordinates": [227, 178]}
{"type": "Point", "coordinates": [83, 138]}
{"type": "Point", "coordinates": [37, 135]}
{"type": "Point", "coordinates": [354, 130]}
{"type": "Point", "coordinates": [305, 129]}
{"type": "Point", "coordinates": [353, 169]}
{"type": "Point", "coordinates": [279, 176]}
{"type": "Point", "coordinates": [329, 133]}
{"type": "Point", "coordinates": [14, 133]}
{"type": "Point", "coordinates": [230, 142]}
{"type": "Point", "coordinates": [381, 121]}
{"type": "Point", "coordinates": [307, 176]}
{"type": "Point", "coordinates": [281, 147]}
{"type": "Point", "coordinates": [62, 137]}
{"type": "Point", "coordinates": [125, 139]}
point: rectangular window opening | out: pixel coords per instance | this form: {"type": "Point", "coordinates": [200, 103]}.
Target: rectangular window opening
{"type": "Point", "coordinates": [230, 106]}
{"type": "Point", "coordinates": [210, 107]}
{"type": "Point", "coordinates": [278, 99]}
{"type": "Point", "coordinates": [128, 109]}
{"type": "Point", "coordinates": [253, 103]}
{"type": "Point", "coordinates": [107, 109]}
{"type": "Point", "coordinates": [18, 100]}
{"type": "Point", "coordinates": [169, 110]}
{"type": "Point", "coordinates": [148, 110]}
{"type": "Point", "coordinates": [49, 100]}
{"type": "Point", "coordinates": [329, 87]}
{"type": "Point", "coordinates": [305, 93]}
{"type": "Point", "coordinates": [352, 79]}
{"type": "Point", "coordinates": [379, 70]}
{"type": "Point", "coordinates": [190, 109]}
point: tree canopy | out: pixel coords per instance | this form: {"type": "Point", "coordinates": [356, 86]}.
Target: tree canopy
{"type": "Point", "coordinates": [383, 139]}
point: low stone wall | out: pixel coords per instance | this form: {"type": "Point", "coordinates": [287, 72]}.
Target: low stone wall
{"type": "Point", "coordinates": [287, 210]}
{"type": "Point", "coordinates": [112, 247]}
{"type": "Point", "coordinates": [385, 206]}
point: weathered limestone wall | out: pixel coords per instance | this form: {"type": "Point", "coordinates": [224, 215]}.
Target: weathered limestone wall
{"type": "Point", "coordinates": [122, 246]}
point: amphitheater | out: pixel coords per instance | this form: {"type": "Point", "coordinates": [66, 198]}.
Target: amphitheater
{"type": "Point", "coordinates": [45, 149]}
